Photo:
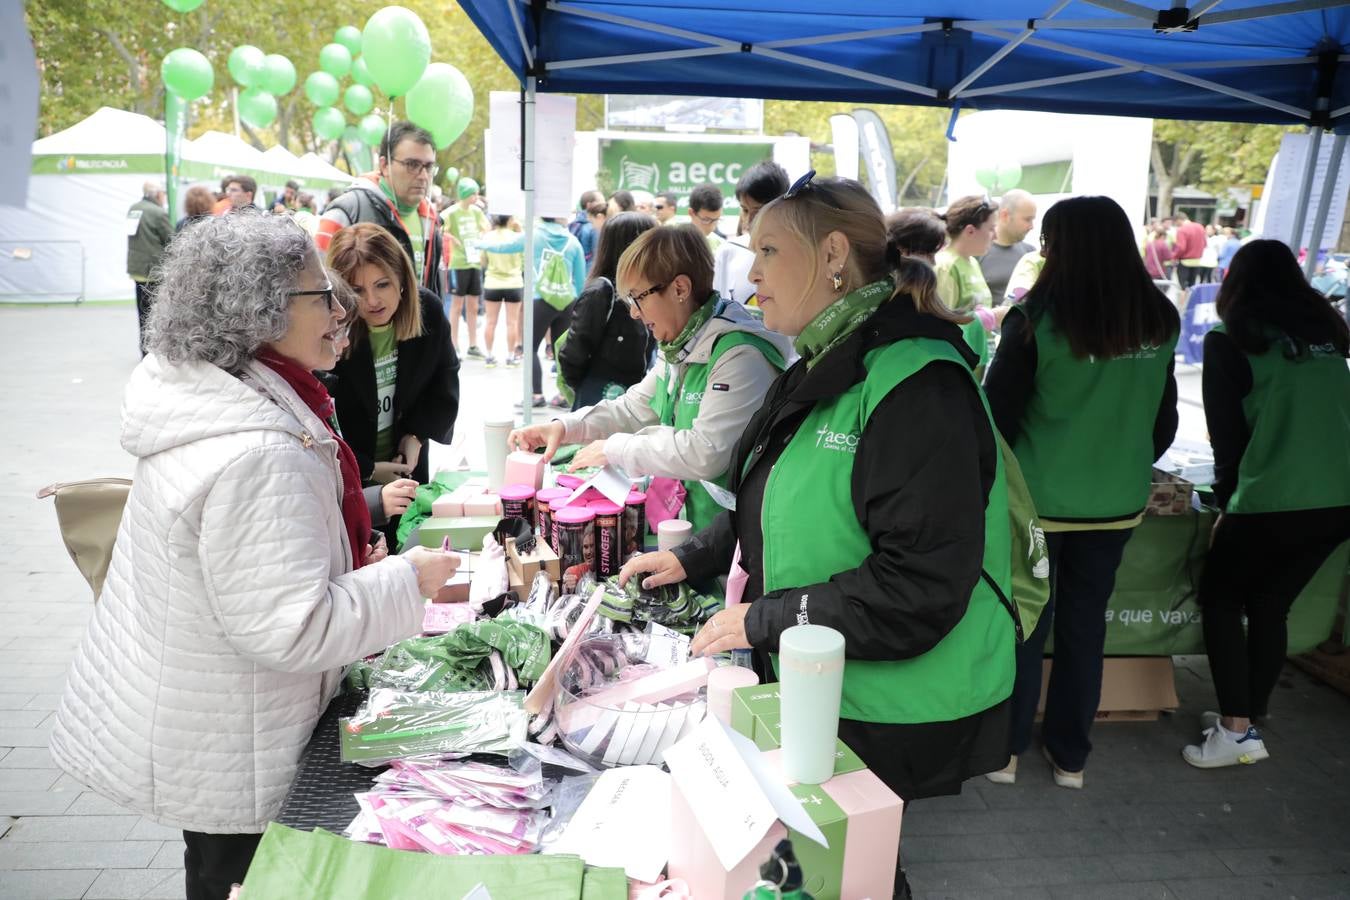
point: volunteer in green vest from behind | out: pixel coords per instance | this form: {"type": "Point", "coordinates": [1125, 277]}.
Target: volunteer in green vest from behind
{"type": "Point", "coordinates": [1082, 389]}
{"type": "Point", "coordinates": [870, 497]}
{"type": "Point", "coordinates": [680, 423]}
{"type": "Point", "coordinates": [970, 230]}
{"type": "Point", "coordinates": [1277, 404]}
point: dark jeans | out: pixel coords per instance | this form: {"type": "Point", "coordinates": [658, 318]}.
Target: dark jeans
{"type": "Point", "coordinates": [545, 318]}
{"type": "Point", "coordinates": [213, 862]}
{"type": "Point", "coordinates": [1082, 576]}
{"type": "Point", "coordinates": [145, 295]}
{"type": "Point", "coordinates": [1256, 566]}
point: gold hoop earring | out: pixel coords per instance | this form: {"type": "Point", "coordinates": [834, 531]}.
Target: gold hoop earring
{"type": "Point", "coordinates": [837, 279]}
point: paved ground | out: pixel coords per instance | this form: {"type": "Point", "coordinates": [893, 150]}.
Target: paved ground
{"type": "Point", "coordinates": [1146, 826]}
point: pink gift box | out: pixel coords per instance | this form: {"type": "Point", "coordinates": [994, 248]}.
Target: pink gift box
{"type": "Point", "coordinates": [525, 468]}
{"type": "Point", "coordinates": [483, 505]}
{"type": "Point", "coordinates": [693, 859]}
{"type": "Point", "coordinates": [448, 506]}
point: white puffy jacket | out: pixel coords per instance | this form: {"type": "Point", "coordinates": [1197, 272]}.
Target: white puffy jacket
{"type": "Point", "coordinates": [230, 604]}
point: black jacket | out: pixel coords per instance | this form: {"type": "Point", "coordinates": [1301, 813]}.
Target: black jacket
{"type": "Point", "coordinates": [426, 396]}
{"type": "Point", "coordinates": [921, 477]}
{"type": "Point", "coordinates": [363, 202]}
{"type": "Point", "coordinates": [604, 343]}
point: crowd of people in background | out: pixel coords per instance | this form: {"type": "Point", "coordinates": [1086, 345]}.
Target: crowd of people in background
{"type": "Point", "coordinates": [712, 362]}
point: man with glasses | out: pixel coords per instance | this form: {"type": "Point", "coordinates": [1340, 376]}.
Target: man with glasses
{"type": "Point", "coordinates": [396, 199]}
{"type": "Point", "coordinates": [664, 207]}
{"type": "Point", "coordinates": [705, 211]}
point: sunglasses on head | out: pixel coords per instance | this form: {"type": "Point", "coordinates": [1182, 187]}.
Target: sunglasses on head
{"type": "Point", "coordinates": [800, 185]}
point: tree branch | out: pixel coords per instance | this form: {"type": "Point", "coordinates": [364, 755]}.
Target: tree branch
{"type": "Point", "coordinates": [914, 173]}
{"type": "Point", "coordinates": [252, 136]}
{"type": "Point", "coordinates": [133, 65]}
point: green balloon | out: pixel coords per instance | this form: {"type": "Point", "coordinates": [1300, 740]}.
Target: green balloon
{"type": "Point", "coordinates": [187, 73]}
{"type": "Point", "coordinates": [452, 175]}
{"type": "Point", "coordinates": [360, 74]}
{"type": "Point", "coordinates": [371, 129]}
{"type": "Point", "coordinates": [183, 6]}
{"type": "Point", "coordinates": [328, 123]}
{"type": "Point", "coordinates": [358, 100]}
{"type": "Point", "coordinates": [257, 107]}
{"type": "Point", "coordinates": [442, 103]}
{"type": "Point", "coordinates": [247, 65]}
{"type": "Point", "coordinates": [335, 59]}
{"type": "Point", "coordinates": [397, 48]}
{"type": "Point", "coordinates": [348, 36]}
{"type": "Point", "coordinates": [351, 139]}
{"type": "Point", "coordinates": [322, 89]}
{"type": "Point", "coordinates": [278, 75]}
{"type": "Point", "coordinates": [987, 176]}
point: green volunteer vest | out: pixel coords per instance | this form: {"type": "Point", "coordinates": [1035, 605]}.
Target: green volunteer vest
{"type": "Point", "coordinates": [678, 405]}
{"type": "Point", "coordinates": [1086, 442]}
{"type": "Point", "coordinates": [1298, 416]}
{"type": "Point", "coordinates": [811, 532]}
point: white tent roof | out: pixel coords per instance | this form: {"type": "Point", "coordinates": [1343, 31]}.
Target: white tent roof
{"type": "Point", "coordinates": [323, 169]}
{"type": "Point", "coordinates": [224, 150]}
{"type": "Point", "coordinates": [110, 131]}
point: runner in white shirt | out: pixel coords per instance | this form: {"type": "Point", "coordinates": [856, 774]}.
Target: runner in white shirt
{"type": "Point", "coordinates": [761, 183]}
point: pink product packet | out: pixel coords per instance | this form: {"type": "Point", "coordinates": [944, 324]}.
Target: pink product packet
{"type": "Point", "coordinates": [442, 617]}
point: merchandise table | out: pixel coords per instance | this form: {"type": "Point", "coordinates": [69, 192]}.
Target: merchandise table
{"type": "Point", "coordinates": [321, 795]}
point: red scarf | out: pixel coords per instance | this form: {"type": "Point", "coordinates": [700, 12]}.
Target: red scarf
{"type": "Point", "coordinates": [355, 512]}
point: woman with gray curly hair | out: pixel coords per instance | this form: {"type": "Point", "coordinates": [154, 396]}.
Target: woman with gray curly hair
{"type": "Point", "coordinates": [239, 582]}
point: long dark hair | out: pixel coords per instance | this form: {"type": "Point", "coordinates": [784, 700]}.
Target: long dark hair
{"type": "Point", "coordinates": [617, 233]}
{"type": "Point", "coordinates": [1265, 291]}
{"type": "Point", "coordinates": [1094, 284]}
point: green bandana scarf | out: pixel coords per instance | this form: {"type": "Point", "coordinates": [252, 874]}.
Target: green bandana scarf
{"type": "Point", "coordinates": [840, 319]}
{"type": "Point", "coordinates": [673, 351]}
{"type": "Point", "coordinates": [393, 198]}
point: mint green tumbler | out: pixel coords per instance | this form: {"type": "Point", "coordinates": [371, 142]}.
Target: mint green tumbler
{"type": "Point", "coordinates": [811, 679]}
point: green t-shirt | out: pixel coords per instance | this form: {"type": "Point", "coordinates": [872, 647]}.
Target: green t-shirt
{"type": "Point", "coordinates": [413, 223]}
{"type": "Point", "coordinates": [465, 225]}
{"type": "Point", "coordinates": [960, 281]}
{"type": "Point", "coordinates": [384, 350]}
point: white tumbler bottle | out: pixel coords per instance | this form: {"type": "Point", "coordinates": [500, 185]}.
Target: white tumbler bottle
{"type": "Point", "coordinates": [495, 433]}
{"type": "Point", "coordinates": [811, 677]}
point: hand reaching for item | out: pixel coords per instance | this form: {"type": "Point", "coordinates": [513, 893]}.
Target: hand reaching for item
{"type": "Point", "coordinates": [397, 496]}
{"type": "Point", "coordinates": [549, 435]}
{"type": "Point", "coordinates": [410, 448]}
{"type": "Point", "coordinates": [592, 455]}
{"type": "Point", "coordinates": [386, 472]}
{"type": "Point", "coordinates": [658, 568]}
{"type": "Point", "coordinates": [434, 568]}
{"type": "Point", "coordinates": [722, 633]}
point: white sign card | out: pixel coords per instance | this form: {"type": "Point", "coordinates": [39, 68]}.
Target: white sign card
{"type": "Point", "coordinates": [554, 141]}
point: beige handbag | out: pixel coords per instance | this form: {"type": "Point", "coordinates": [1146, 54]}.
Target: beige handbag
{"type": "Point", "coordinates": [88, 513]}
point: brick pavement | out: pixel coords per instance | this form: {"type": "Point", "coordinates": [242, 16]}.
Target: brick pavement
{"type": "Point", "coordinates": [1146, 826]}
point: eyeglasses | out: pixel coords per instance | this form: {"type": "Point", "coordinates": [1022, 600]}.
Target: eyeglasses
{"type": "Point", "coordinates": [634, 301]}
{"type": "Point", "coordinates": [706, 220]}
{"type": "Point", "coordinates": [800, 185]}
{"type": "Point", "coordinates": [659, 206]}
{"type": "Point", "coordinates": [416, 166]}
{"type": "Point", "coordinates": [327, 293]}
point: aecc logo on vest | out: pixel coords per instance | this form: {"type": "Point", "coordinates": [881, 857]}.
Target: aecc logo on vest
{"type": "Point", "coordinates": [842, 441]}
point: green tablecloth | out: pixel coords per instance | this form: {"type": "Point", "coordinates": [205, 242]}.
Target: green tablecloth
{"type": "Point", "coordinates": [1153, 611]}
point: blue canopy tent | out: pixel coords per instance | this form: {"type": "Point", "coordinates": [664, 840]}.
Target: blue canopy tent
{"type": "Point", "coordinates": [1219, 60]}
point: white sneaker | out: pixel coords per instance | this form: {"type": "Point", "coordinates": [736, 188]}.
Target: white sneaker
{"type": "Point", "coordinates": [1208, 719]}
{"type": "Point", "coordinates": [1063, 779]}
{"type": "Point", "coordinates": [1005, 775]}
{"type": "Point", "coordinates": [1221, 749]}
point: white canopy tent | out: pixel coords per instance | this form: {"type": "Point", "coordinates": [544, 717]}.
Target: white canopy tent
{"type": "Point", "coordinates": [68, 242]}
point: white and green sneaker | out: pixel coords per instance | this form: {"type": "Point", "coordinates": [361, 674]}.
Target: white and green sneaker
{"type": "Point", "coordinates": [1224, 748]}
{"type": "Point", "coordinates": [490, 362]}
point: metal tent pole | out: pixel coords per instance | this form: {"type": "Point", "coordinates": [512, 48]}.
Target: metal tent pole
{"type": "Point", "coordinates": [1324, 204]}
{"type": "Point", "coordinates": [1305, 188]}
{"type": "Point", "coordinates": [527, 295]}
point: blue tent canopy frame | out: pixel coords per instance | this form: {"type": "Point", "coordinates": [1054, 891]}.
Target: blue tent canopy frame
{"type": "Point", "coordinates": [1217, 60]}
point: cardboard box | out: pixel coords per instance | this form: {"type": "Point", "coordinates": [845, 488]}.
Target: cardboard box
{"type": "Point", "coordinates": [525, 468]}
{"type": "Point", "coordinates": [1169, 496]}
{"type": "Point", "coordinates": [465, 533]}
{"type": "Point", "coordinates": [456, 590]}
{"type": "Point", "coordinates": [488, 504]}
{"type": "Point", "coordinates": [860, 818]}
{"type": "Point", "coordinates": [755, 713]}
{"type": "Point", "coordinates": [529, 565]}
{"type": "Point", "coordinates": [1134, 688]}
